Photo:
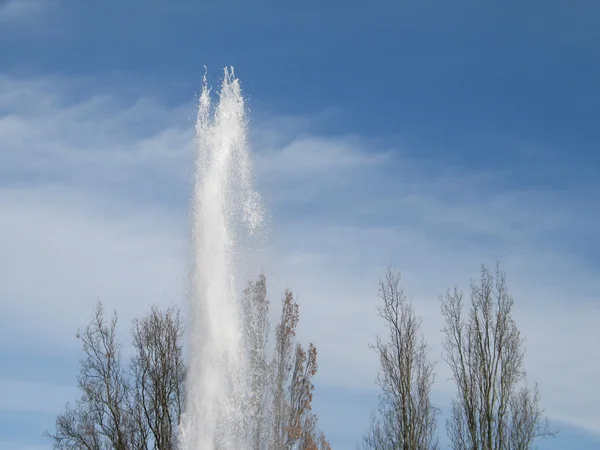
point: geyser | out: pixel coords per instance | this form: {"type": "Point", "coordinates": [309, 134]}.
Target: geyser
{"type": "Point", "coordinates": [226, 213]}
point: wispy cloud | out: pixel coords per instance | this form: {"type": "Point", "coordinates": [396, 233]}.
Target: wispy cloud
{"type": "Point", "coordinates": [93, 203]}
{"type": "Point", "coordinates": [62, 250]}
{"type": "Point", "coordinates": [97, 140]}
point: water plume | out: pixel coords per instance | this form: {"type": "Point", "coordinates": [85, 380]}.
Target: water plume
{"type": "Point", "coordinates": [226, 213]}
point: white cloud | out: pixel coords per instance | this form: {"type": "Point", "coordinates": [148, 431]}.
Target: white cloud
{"type": "Point", "coordinates": [316, 157]}
{"type": "Point", "coordinates": [79, 220]}
{"type": "Point", "coordinates": [98, 140]}
{"type": "Point", "coordinates": [62, 250]}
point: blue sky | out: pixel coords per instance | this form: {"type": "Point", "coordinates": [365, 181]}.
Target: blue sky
{"type": "Point", "coordinates": [432, 135]}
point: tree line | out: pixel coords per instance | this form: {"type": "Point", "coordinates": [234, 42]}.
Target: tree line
{"type": "Point", "coordinates": [138, 405]}
{"type": "Point", "coordinates": [494, 408]}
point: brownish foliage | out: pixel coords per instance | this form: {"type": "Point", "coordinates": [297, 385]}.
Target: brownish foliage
{"type": "Point", "coordinates": [294, 369]}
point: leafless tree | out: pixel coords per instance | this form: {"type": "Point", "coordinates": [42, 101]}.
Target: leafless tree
{"type": "Point", "coordinates": [405, 418]}
{"type": "Point", "coordinates": [98, 420]}
{"type": "Point", "coordinates": [494, 409]}
{"type": "Point", "coordinates": [120, 410]}
{"type": "Point", "coordinates": [158, 373]}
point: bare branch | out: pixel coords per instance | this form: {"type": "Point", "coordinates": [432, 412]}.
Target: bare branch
{"type": "Point", "coordinates": [158, 373]}
{"type": "Point", "coordinates": [99, 420]}
{"type": "Point", "coordinates": [405, 418]}
{"type": "Point", "coordinates": [494, 409]}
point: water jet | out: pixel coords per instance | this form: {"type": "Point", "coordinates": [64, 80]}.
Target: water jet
{"type": "Point", "coordinates": [226, 213]}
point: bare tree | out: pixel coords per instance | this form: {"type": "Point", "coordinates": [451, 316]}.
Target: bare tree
{"type": "Point", "coordinates": [494, 409]}
{"type": "Point", "coordinates": [117, 410]}
{"type": "Point", "coordinates": [99, 419]}
{"type": "Point", "coordinates": [75, 429]}
{"type": "Point", "coordinates": [405, 418]}
{"type": "Point", "coordinates": [158, 373]}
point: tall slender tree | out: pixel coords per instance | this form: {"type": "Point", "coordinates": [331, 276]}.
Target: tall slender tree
{"type": "Point", "coordinates": [494, 408]}
{"type": "Point", "coordinates": [256, 327]}
{"type": "Point", "coordinates": [405, 419]}
{"type": "Point", "coordinates": [285, 333]}
{"type": "Point", "coordinates": [294, 424]}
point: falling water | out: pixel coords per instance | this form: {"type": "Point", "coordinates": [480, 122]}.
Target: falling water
{"type": "Point", "coordinates": [226, 212]}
